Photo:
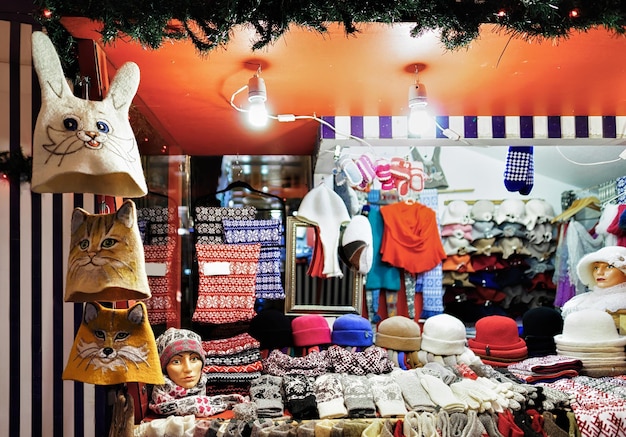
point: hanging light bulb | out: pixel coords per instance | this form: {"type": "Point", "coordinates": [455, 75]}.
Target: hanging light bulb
{"type": "Point", "coordinates": [420, 120]}
{"type": "Point", "coordinates": [257, 95]}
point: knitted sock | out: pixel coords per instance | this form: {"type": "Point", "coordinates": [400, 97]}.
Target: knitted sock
{"type": "Point", "coordinates": [409, 285]}
{"type": "Point", "coordinates": [550, 426]}
{"type": "Point", "coordinates": [245, 411]}
{"type": "Point", "coordinates": [411, 426]}
{"type": "Point", "coordinates": [457, 423]}
{"type": "Point", "coordinates": [391, 298]}
{"type": "Point", "coordinates": [201, 429]}
{"type": "Point", "coordinates": [337, 429]}
{"type": "Point", "coordinates": [354, 428]}
{"type": "Point", "coordinates": [443, 423]}
{"type": "Point", "coordinates": [530, 177]}
{"type": "Point", "coordinates": [306, 429]}
{"type": "Point", "coordinates": [428, 423]}
{"type": "Point", "coordinates": [490, 422]}
{"type": "Point", "coordinates": [516, 168]}
{"type": "Point", "coordinates": [474, 427]}
{"type": "Point", "coordinates": [323, 428]}
{"type": "Point", "coordinates": [237, 428]}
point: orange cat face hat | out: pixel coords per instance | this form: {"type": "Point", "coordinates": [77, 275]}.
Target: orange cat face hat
{"type": "Point", "coordinates": [113, 346]}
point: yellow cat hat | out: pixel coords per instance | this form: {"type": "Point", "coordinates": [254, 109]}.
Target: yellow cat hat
{"type": "Point", "coordinates": [80, 145]}
{"type": "Point", "coordinates": [106, 261]}
{"type": "Point", "coordinates": [113, 346]}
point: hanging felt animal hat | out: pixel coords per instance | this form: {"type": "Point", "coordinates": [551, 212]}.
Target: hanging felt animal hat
{"type": "Point", "coordinates": [106, 260]}
{"type": "Point", "coordinates": [81, 145]}
{"type": "Point", "coordinates": [113, 346]}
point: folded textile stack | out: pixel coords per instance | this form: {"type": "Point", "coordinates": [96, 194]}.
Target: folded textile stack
{"type": "Point", "coordinates": [497, 341]}
{"type": "Point", "coordinates": [591, 336]}
{"type": "Point", "coordinates": [546, 369]}
{"type": "Point", "coordinates": [231, 364]}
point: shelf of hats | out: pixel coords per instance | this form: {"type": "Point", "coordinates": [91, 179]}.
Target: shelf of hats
{"type": "Point", "coordinates": [492, 317]}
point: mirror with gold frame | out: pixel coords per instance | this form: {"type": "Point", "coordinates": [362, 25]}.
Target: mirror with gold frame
{"type": "Point", "coordinates": [305, 294]}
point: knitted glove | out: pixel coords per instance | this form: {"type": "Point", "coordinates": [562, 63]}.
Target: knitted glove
{"type": "Point", "coordinates": [518, 162]}
{"type": "Point", "coordinates": [266, 392]}
{"type": "Point", "coordinates": [358, 396]}
{"type": "Point", "coordinates": [300, 396]}
{"type": "Point", "coordinates": [387, 395]}
{"type": "Point", "coordinates": [329, 396]}
{"type": "Point", "coordinates": [415, 395]}
{"type": "Point", "coordinates": [442, 394]}
{"type": "Point", "coordinates": [463, 394]}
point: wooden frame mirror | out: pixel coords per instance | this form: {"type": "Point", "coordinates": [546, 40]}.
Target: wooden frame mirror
{"type": "Point", "coordinates": [305, 294]}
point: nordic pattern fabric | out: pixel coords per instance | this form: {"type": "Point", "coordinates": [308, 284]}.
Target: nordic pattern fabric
{"type": "Point", "coordinates": [226, 291]}
{"type": "Point", "coordinates": [161, 306]}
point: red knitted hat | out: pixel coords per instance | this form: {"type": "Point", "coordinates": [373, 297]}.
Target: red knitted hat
{"type": "Point", "coordinates": [498, 336]}
{"type": "Point", "coordinates": [310, 330]}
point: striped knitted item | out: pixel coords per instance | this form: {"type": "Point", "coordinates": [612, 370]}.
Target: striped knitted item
{"type": "Point", "coordinates": [230, 346]}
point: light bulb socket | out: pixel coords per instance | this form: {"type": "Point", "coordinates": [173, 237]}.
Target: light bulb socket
{"type": "Point", "coordinates": [256, 89]}
{"type": "Point", "coordinates": [417, 95]}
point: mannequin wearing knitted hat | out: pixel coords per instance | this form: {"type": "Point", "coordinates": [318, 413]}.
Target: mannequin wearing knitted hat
{"type": "Point", "coordinates": [184, 391]}
{"type": "Point", "coordinates": [604, 271]}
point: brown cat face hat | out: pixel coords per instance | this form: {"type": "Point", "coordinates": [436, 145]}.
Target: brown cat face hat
{"type": "Point", "coordinates": [113, 346]}
{"type": "Point", "coordinates": [106, 259]}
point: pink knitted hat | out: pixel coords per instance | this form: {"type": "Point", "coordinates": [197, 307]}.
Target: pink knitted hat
{"type": "Point", "coordinates": [310, 330]}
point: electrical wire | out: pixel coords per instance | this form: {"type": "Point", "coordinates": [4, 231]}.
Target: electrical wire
{"type": "Point", "coordinates": [558, 149]}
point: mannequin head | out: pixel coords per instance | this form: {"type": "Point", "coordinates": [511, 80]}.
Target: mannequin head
{"type": "Point", "coordinates": [606, 275]}
{"type": "Point", "coordinates": [185, 369]}
{"type": "Point", "coordinates": [603, 268]}
{"type": "Point", "coordinates": [181, 356]}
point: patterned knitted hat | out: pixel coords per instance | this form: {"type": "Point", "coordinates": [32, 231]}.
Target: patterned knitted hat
{"type": "Point", "coordinates": [272, 328]}
{"type": "Point", "coordinates": [310, 330]}
{"type": "Point", "coordinates": [399, 333]}
{"type": "Point", "coordinates": [352, 330]}
{"type": "Point", "coordinates": [174, 341]}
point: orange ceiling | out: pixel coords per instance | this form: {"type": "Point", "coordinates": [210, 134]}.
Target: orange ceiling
{"type": "Point", "coordinates": [186, 96]}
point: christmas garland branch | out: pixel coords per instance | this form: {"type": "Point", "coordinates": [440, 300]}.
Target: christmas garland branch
{"type": "Point", "coordinates": [15, 166]}
{"type": "Point", "coordinates": [209, 25]}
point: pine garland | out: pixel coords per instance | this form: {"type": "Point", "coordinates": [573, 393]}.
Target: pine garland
{"type": "Point", "coordinates": [16, 166]}
{"type": "Point", "coordinates": [210, 24]}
